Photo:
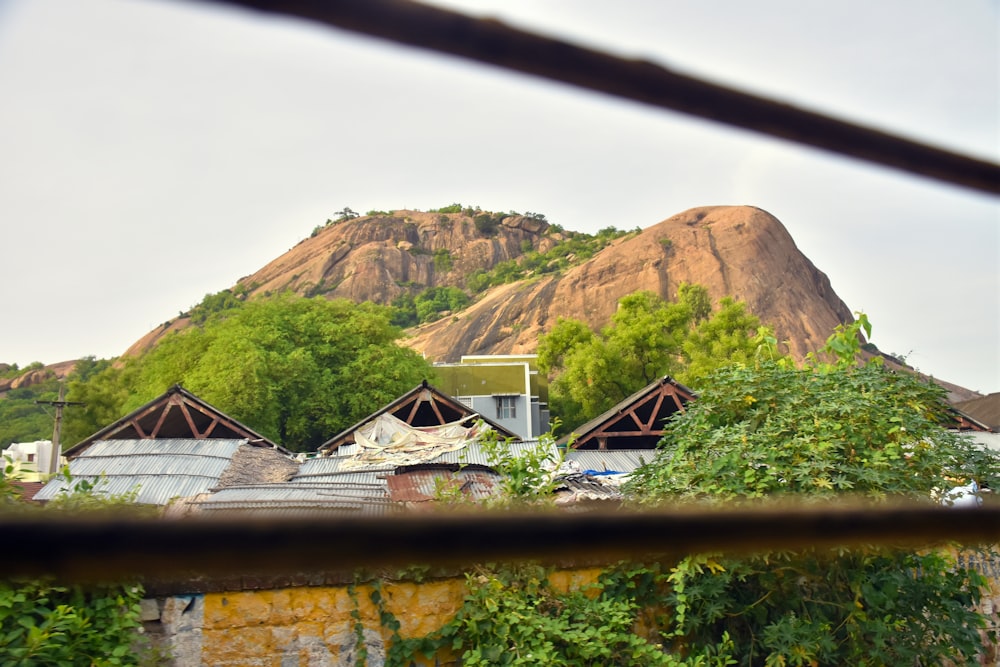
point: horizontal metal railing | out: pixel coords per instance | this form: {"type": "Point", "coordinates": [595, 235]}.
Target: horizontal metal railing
{"type": "Point", "coordinates": [115, 546]}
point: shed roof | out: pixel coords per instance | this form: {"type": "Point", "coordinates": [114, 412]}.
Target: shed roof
{"type": "Point", "coordinates": [602, 461]}
{"type": "Point", "coordinates": [177, 414]}
{"type": "Point", "coordinates": [985, 410]}
{"type": "Point", "coordinates": [158, 471]}
{"type": "Point", "coordinates": [636, 422]}
{"type": "Point", "coordinates": [424, 405]}
{"type": "Point", "coordinates": [291, 499]}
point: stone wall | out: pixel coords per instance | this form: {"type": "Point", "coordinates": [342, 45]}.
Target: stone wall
{"type": "Point", "coordinates": [249, 621]}
{"type": "Point", "coordinates": [308, 626]}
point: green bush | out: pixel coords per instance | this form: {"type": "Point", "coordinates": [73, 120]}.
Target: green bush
{"type": "Point", "coordinates": [42, 623]}
{"type": "Point", "coordinates": [454, 208]}
{"type": "Point", "coordinates": [442, 260]}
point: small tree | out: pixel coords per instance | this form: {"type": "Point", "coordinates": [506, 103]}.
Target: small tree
{"type": "Point", "coordinates": [646, 339]}
{"type": "Point", "coordinates": [346, 214]}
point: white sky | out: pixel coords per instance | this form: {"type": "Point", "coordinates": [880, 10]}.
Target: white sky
{"type": "Point", "coordinates": [152, 152]}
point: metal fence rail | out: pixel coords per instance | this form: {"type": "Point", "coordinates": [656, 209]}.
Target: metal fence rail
{"type": "Point", "coordinates": [492, 42]}
{"type": "Point", "coordinates": [116, 546]}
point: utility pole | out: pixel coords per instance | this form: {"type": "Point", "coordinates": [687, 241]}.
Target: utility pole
{"type": "Point", "coordinates": [57, 429]}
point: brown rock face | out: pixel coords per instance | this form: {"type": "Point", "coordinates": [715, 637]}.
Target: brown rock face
{"type": "Point", "coordinates": [737, 251]}
{"type": "Point", "coordinates": [374, 258]}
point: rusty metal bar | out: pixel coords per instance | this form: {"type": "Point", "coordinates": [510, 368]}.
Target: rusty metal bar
{"type": "Point", "coordinates": [91, 549]}
{"type": "Point", "coordinates": [492, 42]}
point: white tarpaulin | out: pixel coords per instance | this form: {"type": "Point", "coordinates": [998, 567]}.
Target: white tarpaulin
{"type": "Point", "coordinates": [388, 440]}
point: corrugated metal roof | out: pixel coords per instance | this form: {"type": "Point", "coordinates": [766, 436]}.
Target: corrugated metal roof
{"type": "Point", "coordinates": [610, 460]}
{"type": "Point", "coordinates": [158, 470]}
{"type": "Point", "coordinates": [288, 499]}
{"type": "Point", "coordinates": [331, 493]}
{"type": "Point", "coordinates": [149, 464]}
{"type": "Point", "coordinates": [151, 489]}
{"type": "Point", "coordinates": [474, 453]}
{"type": "Point", "coordinates": [348, 450]}
{"type": "Point", "coordinates": [424, 485]}
{"type": "Point", "coordinates": [206, 447]}
{"type": "Point", "coordinates": [327, 470]}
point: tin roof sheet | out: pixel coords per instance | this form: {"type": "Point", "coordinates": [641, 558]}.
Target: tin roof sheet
{"type": "Point", "coordinates": [427, 484]}
{"type": "Point", "coordinates": [149, 464]}
{"type": "Point", "coordinates": [158, 471]}
{"type": "Point", "coordinates": [610, 460]}
{"type": "Point", "coordinates": [289, 499]}
{"type": "Point", "coordinates": [150, 489]}
{"type": "Point", "coordinates": [223, 448]}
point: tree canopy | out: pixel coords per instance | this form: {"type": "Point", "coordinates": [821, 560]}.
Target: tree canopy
{"type": "Point", "coordinates": [298, 370]}
{"type": "Point", "coordinates": [647, 338]}
{"type": "Point", "coordinates": [821, 432]}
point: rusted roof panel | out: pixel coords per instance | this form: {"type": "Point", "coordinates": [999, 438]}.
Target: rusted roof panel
{"type": "Point", "coordinates": [425, 485]}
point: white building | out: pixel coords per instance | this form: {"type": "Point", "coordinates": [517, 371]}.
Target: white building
{"type": "Point", "coordinates": [32, 460]}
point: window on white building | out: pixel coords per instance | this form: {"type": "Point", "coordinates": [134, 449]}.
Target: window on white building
{"type": "Point", "coordinates": [506, 407]}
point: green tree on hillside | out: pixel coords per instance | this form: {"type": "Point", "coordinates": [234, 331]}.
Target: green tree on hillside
{"type": "Point", "coordinates": [22, 419]}
{"type": "Point", "coordinates": [821, 432]}
{"type": "Point", "coordinates": [646, 339]}
{"type": "Point", "coordinates": [298, 370]}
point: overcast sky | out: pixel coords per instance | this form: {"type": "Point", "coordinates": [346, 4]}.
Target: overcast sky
{"type": "Point", "coordinates": [152, 152]}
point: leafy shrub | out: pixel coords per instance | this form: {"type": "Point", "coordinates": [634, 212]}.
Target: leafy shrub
{"type": "Point", "coordinates": [42, 623]}
{"type": "Point", "coordinates": [823, 431]}
{"type": "Point", "coordinates": [227, 299]}
{"type": "Point", "coordinates": [454, 208]}
{"type": "Point", "coordinates": [442, 260]}
{"type": "Point", "coordinates": [486, 224]}
{"type": "Point", "coordinates": [433, 301]}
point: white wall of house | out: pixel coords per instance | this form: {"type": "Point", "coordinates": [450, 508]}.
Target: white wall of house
{"type": "Point", "coordinates": [31, 460]}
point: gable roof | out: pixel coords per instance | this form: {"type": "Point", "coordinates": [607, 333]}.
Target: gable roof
{"type": "Point", "coordinates": [424, 405]}
{"type": "Point", "coordinates": [985, 410]}
{"type": "Point", "coordinates": [636, 422]}
{"type": "Point", "coordinates": [177, 414]}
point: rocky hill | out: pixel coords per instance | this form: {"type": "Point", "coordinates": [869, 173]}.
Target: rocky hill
{"type": "Point", "coordinates": [548, 273]}
{"type": "Point", "coordinates": [739, 251]}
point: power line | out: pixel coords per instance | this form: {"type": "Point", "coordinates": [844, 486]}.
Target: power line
{"type": "Point", "coordinates": [490, 41]}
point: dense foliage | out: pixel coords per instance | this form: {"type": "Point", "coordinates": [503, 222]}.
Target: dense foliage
{"type": "Point", "coordinates": [43, 622]}
{"type": "Point", "coordinates": [821, 432]}
{"type": "Point", "coordinates": [427, 305]}
{"type": "Point", "coordinates": [572, 249]}
{"type": "Point", "coordinates": [646, 339]}
{"type": "Point", "coordinates": [760, 429]}
{"type": "Point", "coordinates": [513, 615]}
{"type": "Point", "coordinates": [24, 420]}
{"type": "Point", "coordinates": [297, 370]}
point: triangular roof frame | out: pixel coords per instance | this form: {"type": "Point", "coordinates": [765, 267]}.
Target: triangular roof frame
{"type": "Point", "coordinates": [963, 421]}
{"type": "Point", "coordinates": [175, 414]}
{"type": "Point", "coordinates": [425, 401]}
{"type": "Point", "coordinates": [640, 416]}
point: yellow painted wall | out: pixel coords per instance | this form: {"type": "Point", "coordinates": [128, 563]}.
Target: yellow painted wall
{"type": "Point", "coordinates": [314, 625]}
